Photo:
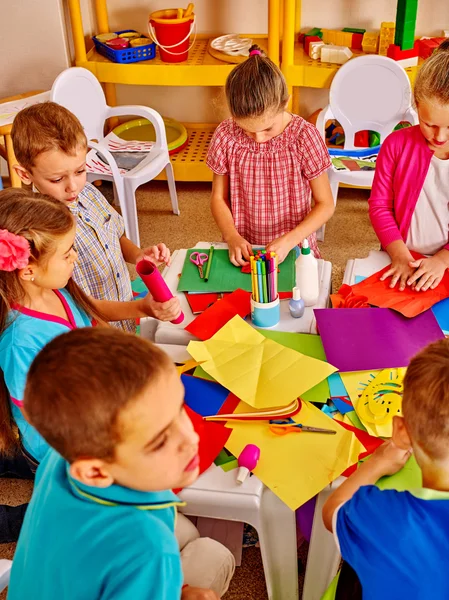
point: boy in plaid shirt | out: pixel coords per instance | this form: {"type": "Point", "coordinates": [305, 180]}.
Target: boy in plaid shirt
{"type": "Point", "coordinates": [51, 147]}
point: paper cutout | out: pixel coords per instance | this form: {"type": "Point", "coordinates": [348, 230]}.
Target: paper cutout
{"type": "Point", "coordinates": [441, 312]}
{"type": "Point", "coordinates": [259, 371]}
{"type": "Point", "coordinates": [342, 406]}
{"type": "Point", "coordinates": [296, 467]}
{"type": "Point", "coordinates": [203, 396]}
{"type": "Point", "coordinates": [346, 298]}
{"type": "Point", "coordinates": [370, 443]}
{"type": "Point", "coordinates": [408, 478]}
{"type": "Point", "coordinates": [409, 302]}
{"type": "Point", "coordinates": [217, 315]}
{"type": "Point", "coordinates": [358, 339]}
{"type": "Point", "coordinates": [336, 386]}
{"type": "Point", "coordinates": [225, 277]}
{"type": "Point", "coordinates": [187, 366]}
{"type": "Point", "coordinates": [200, 302]}
{"type": "Point", "coordinates": [285, 412]}
{"type": "Point", "coordinates": [213, 437]}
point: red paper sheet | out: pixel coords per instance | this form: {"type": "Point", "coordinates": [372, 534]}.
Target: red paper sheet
{"type": "Point", "coordinates": [369, 441]}
{"type": "Point", "coordinates": [409, 302]}
{"type": "Point", "coordinates": [217, 315]}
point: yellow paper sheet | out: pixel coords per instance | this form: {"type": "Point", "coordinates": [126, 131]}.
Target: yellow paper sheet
{"type": "Point", "coordinates": [297, 466]}
{"type": "Point", "coordinates": [257, 370]}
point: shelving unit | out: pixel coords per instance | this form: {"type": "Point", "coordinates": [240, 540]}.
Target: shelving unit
{"type": "Point", "coordinates": [201, 69]}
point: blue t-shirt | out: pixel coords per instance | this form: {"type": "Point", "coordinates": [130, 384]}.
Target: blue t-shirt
{"type": "Point", "coordinates": [29, 331]}
{"type": "Point", "coordinates": [397, 542]}
{"type": "Point", "coordinates": [84, 543]}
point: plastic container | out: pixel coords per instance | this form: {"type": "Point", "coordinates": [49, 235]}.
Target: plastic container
{"type": "Point", "coordinates": [265, 314]}
{"type": "Point", "coordinates": [171, 30]}
{"type": "Point", "coordinates": [296, 304]}
{"type": "Point", "coordinates": [127, 55]}
{"type": "Point", "coordinates": [307, 275]}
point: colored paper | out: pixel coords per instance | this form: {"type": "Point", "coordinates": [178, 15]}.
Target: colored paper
{"type": "Point", "coordinates": [408, 478]}
{"type": "Point", "coordinates": [358, 339]}
{"type": "Point", "coordinates": [257, 370]}
{"type": "Point", "coordinates": [409, 302]}
{"type": "Point", "coordinates": [203, 396]}
{"type": "Point", "coordinates": [441, 312]}
{"type": "Point", "coordinates": [336, 386]}
{"type": "Point", "coordinates": [296, 467]}
{"type": "Point", "coordinates": [342, 406]}
{"type": "Point", "coordinates": [307, 344]}
{"type": "Point", "coordinates": [213, 437]}
{"type": "Point", "coordinates": [217, 315]}
{"type": "Point", "coordinates": [225, 277]}
{"type": "Point", "coordinates": [199, 302]}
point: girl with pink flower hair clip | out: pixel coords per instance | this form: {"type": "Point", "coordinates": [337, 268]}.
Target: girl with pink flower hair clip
{"type": "Point", "coordinates": [38, 301]}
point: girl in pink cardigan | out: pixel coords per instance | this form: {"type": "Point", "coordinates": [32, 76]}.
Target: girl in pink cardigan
{"type": "Point", "coordinates": [409, 203]}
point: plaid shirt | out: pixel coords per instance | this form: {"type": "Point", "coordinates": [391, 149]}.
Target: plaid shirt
{"type": "Point", "coordinates": [101, 270]}
{"type": "Point", "coordinates": [269, 183]}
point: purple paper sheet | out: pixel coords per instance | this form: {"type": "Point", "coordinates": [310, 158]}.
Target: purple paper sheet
{"type": "Point", "coordinates": [361, 339]}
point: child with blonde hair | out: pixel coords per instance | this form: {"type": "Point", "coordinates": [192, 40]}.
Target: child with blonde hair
{"type": "Point", "coordinates": [267, 165]}
{"type": "Point", "coordinates": [408, 206]}
{"type": "Point", "coordinates": [51, 147]}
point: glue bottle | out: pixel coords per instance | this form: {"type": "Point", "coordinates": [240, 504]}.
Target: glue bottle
{"type": "Point", "coordinates": [247, 461]}
{"type": "Point", "coordinates": [296, 304]}
{"type": "Point", "coordinates": [307, 275]}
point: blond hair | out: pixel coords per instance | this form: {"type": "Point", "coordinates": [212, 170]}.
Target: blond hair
{"type": "Point", "coordinates": [432, 81]}
{"type": "Point", "coordinates": [255, 87]}
{"type": "Point", "coordinates": [43, 127]}
{"type": "Point", "coordinates": [41, 220]}
{"type": "Point", "coordinates": [425, 404]}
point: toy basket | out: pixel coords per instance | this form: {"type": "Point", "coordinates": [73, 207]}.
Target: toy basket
{"type": "Point", "coordinates": [126, 55]}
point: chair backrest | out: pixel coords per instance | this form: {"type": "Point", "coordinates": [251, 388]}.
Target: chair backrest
{"type": "Point", "coordinates": [80, 92]}
{"type": "Point", "coordinates": [370, 93]}
{"type": "Point", "coordinates": [5, 571]}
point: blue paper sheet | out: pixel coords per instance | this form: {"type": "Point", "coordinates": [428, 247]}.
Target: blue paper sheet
{"type": "Point", "coordinates": [359, 278]}
{"type": "Point", "coordinates": [441, 312]}
{"type": "Point", "coordinates": [204, 397]}
{"type": "Point", "coordinates": [336, 386]}
{"type": "Point", "coordinates": [342, 406]}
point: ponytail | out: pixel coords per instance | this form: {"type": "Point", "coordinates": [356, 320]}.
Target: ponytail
{"type": "Point", "coordinates": [432, 81]}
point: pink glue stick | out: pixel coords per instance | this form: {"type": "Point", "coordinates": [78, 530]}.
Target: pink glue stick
{"type": "Point", "coordinates": [248, 459]}
{"type": "Point", "coordinates": [155, 284]}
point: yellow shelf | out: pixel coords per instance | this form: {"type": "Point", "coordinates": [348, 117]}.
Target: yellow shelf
{"type": "Point", "coordinates": [306, 72]}
{"type": "Point", "coordinates": [200, 69]}
{"type": "Point", "coordinates": [190, 163]}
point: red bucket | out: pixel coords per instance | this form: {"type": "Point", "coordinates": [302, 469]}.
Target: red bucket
{"type": "Point", "coordinates": [171, 34]}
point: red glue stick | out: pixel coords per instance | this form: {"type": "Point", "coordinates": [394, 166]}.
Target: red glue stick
{"type": "Point", "coordinates": [155, 284]}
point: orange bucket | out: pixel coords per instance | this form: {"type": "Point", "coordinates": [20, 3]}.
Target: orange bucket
{"type": "Point", "coordinates": [170, 30]}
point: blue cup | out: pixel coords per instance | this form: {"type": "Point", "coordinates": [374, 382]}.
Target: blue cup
{"type": "Point", "coordinates": [265, 314]}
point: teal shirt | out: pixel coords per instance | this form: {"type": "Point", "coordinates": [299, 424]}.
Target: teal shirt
{"type": "Point", "coordinates": [84, 543]}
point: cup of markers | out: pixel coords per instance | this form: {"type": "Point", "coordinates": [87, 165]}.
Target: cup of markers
{"type": "Point", "coordinates": [265, 306]}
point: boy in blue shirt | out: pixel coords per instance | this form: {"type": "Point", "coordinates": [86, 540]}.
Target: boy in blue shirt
{"type": "Point", "coordinates": [100, 525]}
{"type": "Point", "coordinates": [398, 542]}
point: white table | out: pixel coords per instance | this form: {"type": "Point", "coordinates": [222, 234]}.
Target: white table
{"type": "Point", "coordinates": [167, 333]}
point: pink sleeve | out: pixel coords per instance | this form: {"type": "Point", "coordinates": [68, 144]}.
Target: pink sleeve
{"type": "Point", "coordinates": [217, 159]}
{"type": "Point", "coordinates": [381, 202]}
{"type": "Point", "coordinates": [315, 155]}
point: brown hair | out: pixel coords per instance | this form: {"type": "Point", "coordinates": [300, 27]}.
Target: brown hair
{"type": "Point", "coordinates": [41, 220]}
{"type": "Point", "coordinates": [43, 127]}
{"type": "Point", "coordinates": [77, 411]}
{"type": "Point", "coordinates": [255, 86]}
{"type": "Point", "coordinates": [432, 81]}
{"type": "Point", "coordinates": [425, 404]}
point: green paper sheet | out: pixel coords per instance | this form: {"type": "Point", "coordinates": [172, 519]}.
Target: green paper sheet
{"type": "Point", "coordinates": [224, 277]}
{"type": "Point", "coordinates": [408, 478]}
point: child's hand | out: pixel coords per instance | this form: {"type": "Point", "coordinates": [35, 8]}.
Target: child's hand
{"type": "Point", "coordinates": [158, 255]}
{"type": "Point", "coordinates": [388, 459]}
{"type": "Point", "coordinates": [400, 271]}
{"type": "Point", "coordinates": [428, 273]}
{"type": "Point", "coordinates": [164, 311]}
{"type": "Point", "coordinates": [194, 593]}
{"type": "Point", "coordinates": [281, 246]}
{"type": "Point", "coordinates": [239, 250]}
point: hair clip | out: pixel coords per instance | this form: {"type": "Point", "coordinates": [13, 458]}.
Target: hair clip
{"type": "Point", "coordinates": [254, 52]}
{"type": "Point", "coordinates": [14, 251]}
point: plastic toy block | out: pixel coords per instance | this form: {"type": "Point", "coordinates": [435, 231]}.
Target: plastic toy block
{"type": "Point", "coordinates": [361, 139]}
{"type": "Point", "coordinates": [427, 46]}
{"type": "Point", "coordinates": [357, 39]}
{"type": "Point", "coordinates": [337, 38]}
{"type": "Point", "coordinates": [315, 50]}
{"type": "Point", "coordinates": [301, 37]}
{"type": "Point", "coordinates": [354, 30]}
{"type": "Point", "coordinates": [405, 23]}
{"type": "Point", "coordinates": [335, 54]}
{"type": "Point", "coordinates": [446, 33]}
{"type": "Point", "coordinates": [386, 37]}
{"type": "Point", "coordinates": [408, 62]}
{"type": "Point", "coordinates": [396, 53]}
{"type": "Point", "coordinates": [370, 42]}
{"type": "Point", "coordinates": [308, 39]}
{"type": "Point", "coordinates": [316, 31]}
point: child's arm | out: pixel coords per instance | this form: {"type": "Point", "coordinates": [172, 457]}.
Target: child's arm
{"type": "Point", "coordinates": [239, 249]}
{"type": "Point", "coordinates": [137, 309]}
{"type": "Point", "coordinates": [386, 460]}
{"type": "Point", "coordinates": [321, 212]}
{"type": "Point", "coordinates": [132, 254]}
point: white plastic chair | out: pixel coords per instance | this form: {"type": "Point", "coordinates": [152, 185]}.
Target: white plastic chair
{"type": "Point", "coordinates": [80, 92]}
{"type": "Point", "coordinates": [5, 572]}
{"type": "Point", "coordinates": [367, 93]}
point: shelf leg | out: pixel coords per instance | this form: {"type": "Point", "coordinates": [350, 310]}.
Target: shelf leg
{"type": "Point", "coordinates": [273, 30]}
{"type": "Point", "coordinates": [77, 31]}
{"type": "Point", "coordinates": [102, 16]}
{"type": "Point", "coordinates": [288, 42]}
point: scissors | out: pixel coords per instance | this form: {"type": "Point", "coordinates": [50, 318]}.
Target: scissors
{"type": "Point", "coordinates": [284, 426]}
{"type": "Point", "coordinates": [198, 259]}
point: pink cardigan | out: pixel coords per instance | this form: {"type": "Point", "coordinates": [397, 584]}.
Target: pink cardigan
{"type": "Point", "coordinates": [401, 169]}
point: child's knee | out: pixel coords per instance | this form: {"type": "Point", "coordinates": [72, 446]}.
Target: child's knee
{"type": "Point", "coordinates": [185, 531]}
{"type": "Point", "coordinates": [208, 564]}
